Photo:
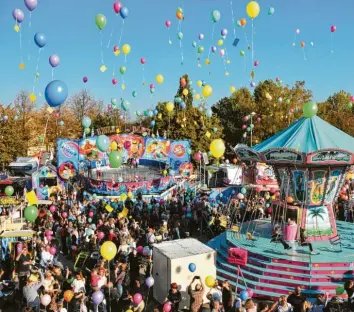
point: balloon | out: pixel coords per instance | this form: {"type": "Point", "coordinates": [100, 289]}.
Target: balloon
{"type": "Point", "coordinates": [213, 49]}
{"type": "Point", "coordinates": [310, 109]}
{"type": "Point", "coordinates": [40, 40]}
{"type": "Point", "coordinates": [224, 32]}
{"type": "Point", "coordinates": [200, 49]}
{"type": "Point", "coordinates": [31, 4]}
{"type": "Point", "coordinates": [243, 22]}
{"type": "Point", "coordinates": [143, 60]}
{"type": "Point", "coordinates": [117, 6]}
{"type": "Point", "coordinates": [100, 21]}
{"type": "Point", "coordinates": [52, 251]}
{"type": "Point", "coordinates": [108, 250]}
{"type": "Point", "coordinates": [297, 31]}
{"type": "Point", "coordinates": [122, 70]}
{"type": "Point", "coordinates": [209, 113]}
{"type": "Point", "coordinates": [54, 60]}
{"type": "Point", "coordinates": [100, 235]}
{"type": "Point", "coordinates": [115, 159]}
{"type": "Point", "coordinates": [61, 123]}
{"type": "Point", "coordinates": [86, 122]}
{"type": "Point", "coordinates": [18, 15]}
{"type": "Point", "coordinates": [16, 118]}
{"type": "Point", "coordinates": [222, 52]}
{"type": "Point", "coordinates": [9, 190]}
{"type": "Point", "coordinates": [271, 11]}
{"type": "Point", "coordinates": [31, 213]}
{"type": "Point", "coordinates": [179, 15]}
{"type": "Point", "coordinates": [215, 16]}
{"type": "Point", "coordinates": [126, 49]}
{"type": "Point", "coordinates": [125, 105]}
{"type": "Point", "coordinates": [97, 296]}
{"type": "Point", "coordinates": [127, 145]}
{"type": "Point", "coordinates": [182, 105]}
{"type": "Point", "coordinates": [167, 307]}
{"type": "Point", "coordinates": [170, 107]}
{"type": "Point", "coordinates": [217, 148]}
{"type": "Point", "coordinates": [137, 298]}
{"type": "Point", "coordinates": [185, 92]}
{"type": "Point", "coordinates": [45, 300]}
{"type": "Point", "coordinates": [232, 89]}
{"type": "Point", "coordinates": [56, 93]}
{"type": "Point", "coordinates": [124, 12]}
{"type": "Point", "coordinates": [244, 295]}
{"type": "Point", "coordinates": [64, 214]}
{"type": "Point", "coordinates": [149, 282]}
{"type": "Point", "coordinates": [134, 94]}
{"type": "Point", "coordinates": [159, 78]}
{"type": "Point", "coordinates": [201, 36]}
{"type": "Point", "coordinates": [210, 281]}
{"type": "Point", "coordinates": [198, 156]}
{"type": "Point", "coordinates": [102, 143]}
{"type": "Point", "coordinates": [333, 28]}
{"type": "Point", "coordinates": [180, 35]}
{"type": "Point", "coordinates": [192, 267]}
{"type": "Point", "coordinates": [152, 90]}
{"type": "Point", "coordinates": [194, 44]}
{"type": "Point", "coordinates": [350, 104]}
{"type": "Point", "coordinates": [52, 209]}
{"type": "Point", "coordinates": [256, 63]}
{"type": "Point", "coordinates": [68, 295]}
{"type": "Point", "coordinates": [168, 23]}
{"type": "Point", "coordinates": [242, 53]}
{"type": "Point", "coordinates": [114, 81]}
{"type": "Point", "coordinates": [302, 44]}
{"type": "Point", "coordinates": [220, 42]}
{"type": "Point", "coordinates": [207, 91]}
{"type": "Point", "coordinates": [85, 79]}
{"type": "Point", "coordinates": [339, 290]}
{"type": "Point", "coordinates": [253, 9]}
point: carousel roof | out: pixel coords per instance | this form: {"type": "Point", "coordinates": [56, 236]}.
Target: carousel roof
{"type": "Point", "coordinates": [308, 135]}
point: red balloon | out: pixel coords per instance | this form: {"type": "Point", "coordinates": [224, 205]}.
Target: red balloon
{"type": "Point", "coordinates": [333, 28]}
{"type": "Point", "coordinates": [117, 6]}
{"type": "Point", "coordinates": [168, 23]}
{"type": "Point", "coordinates": [114, 81]}
{"type": "Point", "coordinates": [115, 48]}
{"type": "Point", "coordinates": [143, 60]}
{"type": "Point", "coordinates": [85, 79]}
{"type": "Point", "coordinates": [90, 214]}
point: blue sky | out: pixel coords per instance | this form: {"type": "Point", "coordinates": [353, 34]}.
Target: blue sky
{"type": "Point", "coordinates": [72, 35]}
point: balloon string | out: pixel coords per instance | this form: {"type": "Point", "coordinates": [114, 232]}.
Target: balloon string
{"type": "Point", "coordinates": [29, 37]}
{"type": "Point", "coordinates": [52, 73]}
{"type": "Point", "coordinates": [212, 38]}
{"type": "Point", "coordinates": [102, 60]}
{"type": "Point", "coordinates": [37, 68]}
{"type": "Point", "coordinates": [233, 18]}
{"type": "Point", "coordinates": [246, 38]}
{"type": "Point", "coordinates": [20, 41]}
{"type": "Point", "coordinates": [121, 33]}
{"type": "Point", "coordinates": [143, 73]}
{"type": "Point", "coordinates": [110, 38]}
{"type": "Point", "coordinates": [252, 41]}
{"type": "Point", "coordinates": [331, 42]}
{"type": "Point", "coordinates": [181, 47]}
{"type": "Point", "coordinates": [169, 36]}
{"type": "Point", "coordinates": [303, 50]}
{"type": "Point", "coordinates": [294, 40]}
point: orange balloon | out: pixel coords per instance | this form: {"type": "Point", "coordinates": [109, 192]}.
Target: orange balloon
{"type": "Point", "coordinates": [302, 44]}
{"type": "Point", "coordinates": [68, 295]}
{"type": "Point", "coordinates": [289, 200]}
{"type": "Point", "coordinates": [234, 161]}
{"type": "Point", "coordinates": [243, 22]}
{"type": "Point", "coordinates": [179, 15]}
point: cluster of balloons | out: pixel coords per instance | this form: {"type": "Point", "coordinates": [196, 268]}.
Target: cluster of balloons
{"type": "Point", "coordinates": [179, 15]}
{"type": "Point", "coordinates": [120, 9]}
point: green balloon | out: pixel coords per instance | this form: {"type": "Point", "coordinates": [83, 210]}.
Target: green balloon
{"type": "Point", "coordinates": [180, 35]}
{"type": "Point", "coordinates": [115, 159]}
{"type": "Point", "coordinates": [350, 104]}
{"type": "Point", "coordinates": [194, 44]}
{"type": "Point", "coordinates": [200, 49]}
{"type": "Point", "coordinates": [135, 93]}
{"type": "Point", "coordinates": [287, 101]}
{"type": "Point", "coordinates": [9, 190]}
{"type": "Point", "coordinates": [122, 70]}
{"type": "Point", "coordinates": [215, 16]}
{"type": "Point", "coordinates": [87, 130]}
{"type": "Point", "coordinates": [242, 53]}
{"type": "Point", "coordinates": [179, 10]}
{"type": "Point", "coordinates": [339, 290]}
{"type": "Point", "coordinates": [310, 109]}
{"type": "Point", "coordinates": [31, 213]}
{"type": "Point", "coordinates": [100, 21]}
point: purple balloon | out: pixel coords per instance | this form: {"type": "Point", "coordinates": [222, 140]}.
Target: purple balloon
{"type": "Point", "coordinates": [97, 297]}
{"type": "Point", "coordinates": [54, 60]}
{"type": "Point", "coordinates": [85, 79]}
{"type": "Point", "coordinates": [18, 15]}
{"type": "Point", "coordinates": [149, 281]}
{"type": "Point", "coordinates": [223, 32]}
{"type": "Point", "coordinates": [252, 84]}
{"type": "Point", "coordinates": [201, 36]}
{"type": "Point", "coordinates": [31, 4]}
{"type": "Point", "coordinates": [213, 49]}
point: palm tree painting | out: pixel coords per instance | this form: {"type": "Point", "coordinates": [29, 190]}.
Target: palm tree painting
{"type": "Point", "coordinates": [318, 221]}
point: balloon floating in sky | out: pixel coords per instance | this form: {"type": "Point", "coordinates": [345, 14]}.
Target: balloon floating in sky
{"type": "Point", "coordinates": [31, 4]}
{"type": "Point", "coordinates": [124, 12]}
{"type": "Point", "coordinates": [310, 109]}
{"type": "Point", "coordinates": [297, 31]}
{"type": "Point", "coordinates": [143, 60]}
{"type": "Point", "coordinates": [333, 28]}
{"type": "Point", "coordinates": [215, 16]}
{"type": "Point", "coordinates": [253, 9]}
{"type": "Point", "coordinates": [168, 23]}
{"type": "Point", "coordinates": [126, 49]}
{"type": "Point", "coordinates": [117, 6]}
{"type": "Point", "coordinates": [54, 60]}
{"type": "Point", "coordinates": [201, 36]}
{"type": "Point", "coordinates": [243, 22]}
{"type": "Point", "coordinates": [256, 63]}
{"type": "Point", "coordinates": [18, 15]}
{"type": "Point", "coordinates": [271, 11]}
{"type": "Point", "coordinates": [85, 79]}
{"type": "Point", "coordinates": [207, 91]}
{"type": "Point", "coordinates": [40, 40]}
{"type": "Point", "coordinates": [56, 93]}
{"type": "Point", "coordinates": [180, 35]}
{"type": "Point", "coordinates": [224, 32]}
{"type": "Point", "coordinates": [159, 78]}
{"type": "Point", "coordinates": [100, 21]}
{"type": "Point", "coordinates": [114, 81]}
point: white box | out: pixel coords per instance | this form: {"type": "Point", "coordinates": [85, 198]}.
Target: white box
{"type": "Point", "coordinates": [171, 262]}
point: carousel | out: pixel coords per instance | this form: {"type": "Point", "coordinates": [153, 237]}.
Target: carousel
{"type": "Point", "coordinates": [302, 244]}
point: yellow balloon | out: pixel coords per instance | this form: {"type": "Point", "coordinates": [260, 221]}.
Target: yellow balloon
{"type": "Point", "coordinates": [114, 145]}
{"type": "Point", "coordinates": [199, 83]}
{"type": "Point", "coordinates": [123, 197]}
{"type": "Point", "coordinates": [220, 42]}
{"type": "Point", "coordinates": [197, 97]}
{"type": "Point", "coordinates": [108, 250]}
{"type": "Point", "coordinates": [217, 148]}
{"type": "Point", "coordinates": [126, 49]}
{"type": "Point", "coordinates": [185, 92]}
{"type": "Point", "coordinates": [159, 78]}
{"type": "Point", "coordinates": [207, 61]}
{"type": "Point", "coordinates": [253, 9]}
{"type": "Point", "coordinates": [169, 107]}
{"type": "Point", "coordinates": [232, 89]}
{"type": "Point", "coordinates": [159, 116]}
{"type": "Point", "coordinates": [210, 281]}
{"type": "Point", "coordinates": [22, 66]}
{"type": "Point", "coordinates": [130, 195]}
{"type": "Point", "coordinates": [207, 91]}
{"type": "Point", "coordinates": [164, 172]}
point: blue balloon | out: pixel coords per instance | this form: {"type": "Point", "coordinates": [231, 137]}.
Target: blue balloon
{"type": "Point", "coordinates": [56, 93]}
{"type": "Point", "coordinates": [146, 113]}
{"type": "Point", "coordinates": [86, 122]}
{"type": "Point", "coordinates": [102, 143]}
{"type": "Point", "coordinates": [209, 113]}
{"type": "Point", "coordinates": [152, 123]}
{"type": "Point", "coordinates": [244, 295]}
{"type": "Point", "coordinates": [151, 113]}
{"type": "Point", "coordinates": [182, 105]}
{"type": "Point", "coordinates": [243, 190]}
{"type": "Point", "coordinates": [125, 105]}
{"type": "Point", "coordinates": [203, 83]}
{"type": "Point", "coordinates": [124, 12]}
{"type": "Point", "coordinates": [61, 123]}
{"type": "Point", "coordinates": [178, 99]}
{"type": "Point", "coordinates": [156, 112]}
{"type": "Point", "coordinates": [40, 40]}
{"type": "Point", "coordinates": [192, 267]}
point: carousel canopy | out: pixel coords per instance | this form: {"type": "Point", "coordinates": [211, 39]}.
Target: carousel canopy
{"type": "Point", "coordinates": [308, 135]}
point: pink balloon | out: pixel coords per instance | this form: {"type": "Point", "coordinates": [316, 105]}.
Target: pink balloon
{"type": "Point", "coordinates": [245, 118]}
{"type": "Point", "coordinates": [85, 79]}
{"type": "Point", "coordinates": [222, 52]}
{"type": "Point", "coordinates": [100, 235]}
{"type": "Point", "coordinates": [45, 300]}
{"type": "Point", "coordinates": [143, 60]}
{"type": "Point", "coordinates": [90, 214]}
{"type": "Point", "coordinates": [115, 48]}
{"type": "Point", "coordinates": [168, 23]}
{"type": "Point", "coordinates": [197, 156]}
{"type": "Point", "coordinates": [258, 189]}
{"type": "Point", "coordinates": [244, 127]}
{"type": "Point", "coordinates": [134, 162]}
{"type": "Point", "coordinates": [256, 63]}
{"type": "Point", "coordinates": [52, 251]}
{"type": "Point", "coordinates": [109, 106]}
{"type": "Point", "coordinates": [52, 208]}
{"type": "Point", "coordinates": [152, 86]}
{"type": "Point", "coordinates": [49, 238]}
{"type": "Point", "coordinates": [167, 307]}
{"type": "Point", "coordinates": [352, 98]}
{"type": "Point", "coordinates": [117, 6]}
{"type": "Point", "coordinates": [64, 214]}
{"type": "Point", "coordinates": [250, 293]}
{"type": "Point", "coordinates": [127, 145]}
{"type": "Point", "coordinates": [137, 298]}
{"type": "Point", "coordinates": [333, 28]}
{"type": "Point", "coordinates": [277, 79]}
{"type": "Point", "coordinates": [114, 81]}
{"type": "Point", "coordinates": [140, 249]}
{"type": "Point", "coordinates": [240, 196]}
{"type": "Point", "coordinates": [48, 233]}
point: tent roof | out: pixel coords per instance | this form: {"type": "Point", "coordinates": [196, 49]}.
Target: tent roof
{"type": "Point", "coordinates": [308, 135]}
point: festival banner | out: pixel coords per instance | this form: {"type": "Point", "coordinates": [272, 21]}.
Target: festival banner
{"type": "Point", "coordinates": [67, 158]}
{"type": "Point", "coordinates": [179, 153]}
{"type": "Point", "coordinates": [157, 149]}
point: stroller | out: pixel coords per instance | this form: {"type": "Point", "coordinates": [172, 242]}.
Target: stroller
{"type": "Point", "coordinates": [7, 293]}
